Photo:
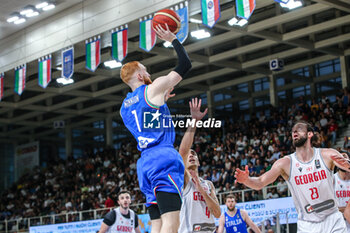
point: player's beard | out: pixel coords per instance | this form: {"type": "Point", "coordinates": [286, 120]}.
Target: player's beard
{"type": "Point", "coordinates": [300, 142]}
{"type": "Point", "coordinates": [231, 209]}
{"type": "Point", "coordinates": [147, 80]}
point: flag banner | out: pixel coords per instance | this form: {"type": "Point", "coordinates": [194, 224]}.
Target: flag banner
{"type": "Point", "coordinates": [20, 79]}
{"type": "Point", "coordinates": [148, 36]}
{"type": "Point", "coordinates": [120, 43]}
{"type": "Point", "coordinates": [68, 63]}
{"type": "Point", "coordinates": [282, 1]}
{"type": "Point", "coordinates": [93, 53]}
{"type": "Point", "coordinates": [44, 72]}
{"type": "Point", "coordinates": [182, 11]}
{"type": "Point", "coordinates": [1, 85]}
{"type": "Point", "coordinates": [210, 12]}
{"type": "Point", "coordinates": [245, 8]}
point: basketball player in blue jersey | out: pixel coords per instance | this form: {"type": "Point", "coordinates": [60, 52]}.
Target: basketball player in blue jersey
{"type": "Point", "coordinates": [144, 112]}
{"type": "Point", "coordinates": [235, 220]}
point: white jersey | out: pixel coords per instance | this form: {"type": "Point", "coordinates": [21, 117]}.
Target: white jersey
{"type": "Point", "coordinates": [312, 188]}
{"type": "Point", "coordinates": [122, 224]}
{"type": "Point", "coordinates": [342, 193]}
{"type": "Point", "coordinates": [342, 190]}
{"type": "Point", "coordinates": [195, 215]}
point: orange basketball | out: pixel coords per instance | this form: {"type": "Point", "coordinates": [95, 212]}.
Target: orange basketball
{"type": "Point", "coordinates": [169, 17]}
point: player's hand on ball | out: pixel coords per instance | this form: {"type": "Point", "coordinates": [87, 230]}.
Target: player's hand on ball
{"type": "Point", "coordinates": [195, 107]}
{"type": "Point", "coordinates": [242, 176]}
{"type": "Point", "coordinates": [163, 34]}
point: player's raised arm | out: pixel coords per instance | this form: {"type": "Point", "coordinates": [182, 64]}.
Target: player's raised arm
{"type": "Point", "coordinates": [160, 85]}
{"type": "Point", "coordinates": [258, 183]}
{"type": "Point", "coordinates": [221, 224]}
{"type": "Point", "coordinates": [334, 158]}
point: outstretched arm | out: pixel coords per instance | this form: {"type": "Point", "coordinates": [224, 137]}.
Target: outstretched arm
{"type": "Point", "coordinates": [334, 158]}
{"type": "Point", "coordinates": [221, 224]}
{"type": "Point", "coordinates": [162, 84]}
{"type": "Point", "coordinates": [187, 140]}
{"type": "Point", "coordinates": [278, 168]}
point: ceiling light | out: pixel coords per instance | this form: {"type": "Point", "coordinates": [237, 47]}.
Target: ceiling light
{"type": "Point", "coordinates": [34, 13]}
{"type": "Point", "coordinates": [48, 7]}
{"type": "Point", "coordinates": [193, 20]}
{"type": "Point", "coordinates": [237, 21]}
{"type": "Point", "coordinates": [167, 44]}
{"type": "Point", "coordinates": [65, 81]}
{"type": "Point", "coordinates": [112, 64]}
{"type": "Point", "coordinates": [20, 20]}
{"type": "Point", "coordinates": [27, 10]}
{"type": "Point", "coordinates": [292, 4]}
{"type": "Point", "coordinates": [200, 34]}
{"type": "Point", "coordinates": [13, 18]}
{"type": "Point", "coordinates": [41, 5]}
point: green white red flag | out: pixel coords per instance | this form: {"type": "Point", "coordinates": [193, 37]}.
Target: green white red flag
{"type": "Point", "coordinates": [210, 12]}
{"type": "Point", "coordinates": [120, 43]}
{"type": "Point", "coordinates": [93, 53]}
{"type": "Point", "coordinates": [44, 73]}
{"type": "Point", "coordinates": [245, 8]}
{"type": "Point", "coordinates": [148, 36]}
{"type": "Point", "coordinates": [20, 79]}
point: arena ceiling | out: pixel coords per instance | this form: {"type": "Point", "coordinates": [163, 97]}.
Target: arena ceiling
{"type": "Point", "coordinates": [317, 32]}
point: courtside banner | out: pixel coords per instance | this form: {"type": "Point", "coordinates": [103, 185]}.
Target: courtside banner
{"type": "Point", "coordinates": [182, 11]}
{"type": "Point", "coordinates": [20, 79]}
{"type": "Point", "coordinates": [265, 210]}
{"type": "Point", "coordinates": [210, 12]}
{"type": "Point", "coordinates": [72, 227]}
{"type": "Point", "coordinates": [245, 8]}
{"type": "Point", "coordinates": [44, 73]}
{"type": "Point", "coordinates": [1, 85]}
{"type": "Point", "coordinates": [93, 53]}
{"type": "Point", "coordinates": [68, 63]}
{"type": "Point", "coordinates": [120, 43]}
{"type": "Point", "coordinates": [148, 36]}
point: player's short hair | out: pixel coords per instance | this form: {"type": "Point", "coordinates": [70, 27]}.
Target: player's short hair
{"type": "Point", "coordinates": [128, 70]}
{"type": "Point", "coordinates": [230, 196]}
{"type": "Point", "coordinates": [123, 192]}
{"type": "Point", "coordinates": [193, 152]}
{"type": "Point", "coordinates": [307, 124]}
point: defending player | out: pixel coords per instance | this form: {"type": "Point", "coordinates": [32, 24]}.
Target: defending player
{"type": "Point", "coordinates": [342, 188]}
{"type": "Point", "coordinates": [200, 205]}
{"type": "Point", "coordinates": [121, 219]}
{"type": "Point", "coordinates": [144, 112]}
{"type": "Point", "coordinates": [235, 220]}
{"type": "Point", "coordinates": [309, 176]}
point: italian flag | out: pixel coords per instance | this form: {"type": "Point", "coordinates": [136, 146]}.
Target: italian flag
{"type": "Point", "coordinates": [210, 12]}
{"type": "Point", "coordinates": [20, 79]}
{"type": "Point", "coordinates": [120, 44]}
{"type": "Point", "coordinates": [1, 85]}
{"type": "Point", "coordinates": [147, 35]}
{"type": "Point", "coordinates": [245, 8]}
{"type": "Point", "coordinates": [93, 54]}
{"type": "Point", "coordinates": [44, 71]}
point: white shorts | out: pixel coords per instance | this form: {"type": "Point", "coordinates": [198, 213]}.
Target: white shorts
{"type": "Point", "coordinates": [334, 223]}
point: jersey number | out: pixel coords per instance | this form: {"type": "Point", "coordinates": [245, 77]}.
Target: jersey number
{"type": "Point", "coordinates": [207, 212]}
{"type": "Point", "coordinates": [137, 120]}
{"type": "Point", "coordinates": [314, 193]}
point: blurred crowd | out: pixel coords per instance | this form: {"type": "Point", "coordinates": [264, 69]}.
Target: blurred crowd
{"type": "Point", "coordinates": [92, 181]}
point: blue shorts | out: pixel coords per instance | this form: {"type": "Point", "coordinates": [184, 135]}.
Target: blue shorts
{"type": "Point", "coordinates": [160, 168]}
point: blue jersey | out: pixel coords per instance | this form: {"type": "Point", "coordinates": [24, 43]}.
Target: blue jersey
{"type": "Point", "coordinates": [235, 224]}
{"type": "Point", "coordinates": [150, 125]}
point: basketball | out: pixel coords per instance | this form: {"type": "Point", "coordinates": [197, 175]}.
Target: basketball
{"type": "Point", "coordinates": [169, 17]}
